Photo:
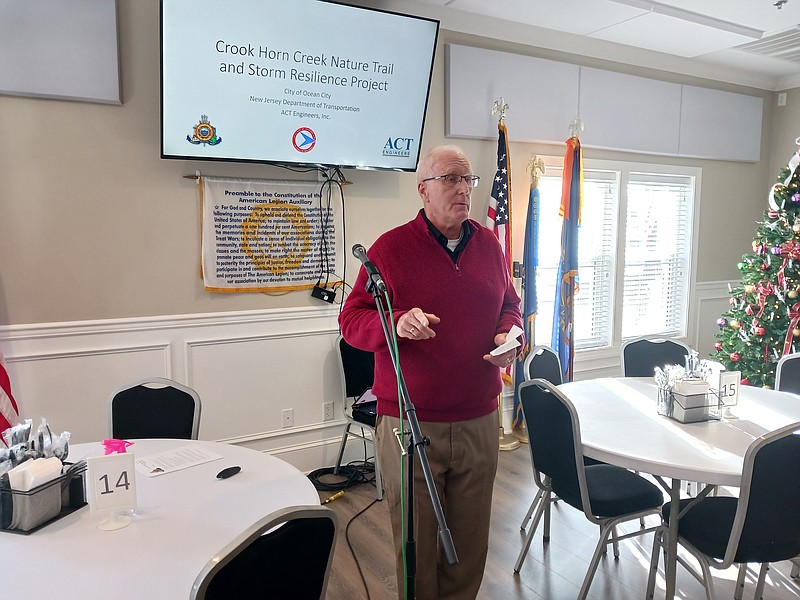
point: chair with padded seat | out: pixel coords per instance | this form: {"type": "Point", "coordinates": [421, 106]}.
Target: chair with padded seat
{"type": "Point", "coordinates": [286, 554]}
{"type": "Point", "coordinates": [641, 355]}
{"type": "Point", "coordinates": [607, 495]}
{"type": "Point", "coordinates": [543, 363]}
{"type": "Point", "coordinates": [154, 408]}
{"type": "Point", "coordinates": [357, 369]}
{"type": "Point", "coordinates": [787, 379]}
{"type": "Point", "coordinates": [787, 373]}
{"type": "Point", "coordinates": [760, 526]}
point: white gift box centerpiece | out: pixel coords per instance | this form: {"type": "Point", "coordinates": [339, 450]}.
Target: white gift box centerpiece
{"type": "Point", "coordinates": [683, 392]}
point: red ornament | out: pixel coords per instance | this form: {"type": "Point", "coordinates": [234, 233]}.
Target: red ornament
{"type": "Point", "coordinates": [735, 356]}
{"type": "Point", "coordinates": [718, 346]}
{"type": "Point", "coordinates": [745, 381]}
{"type": "Point", "coordinates": [759, 331]}
{"type": "Point", "coordinates": [773, 214]}
{"type": "Point", "coordinates": [765, 267]}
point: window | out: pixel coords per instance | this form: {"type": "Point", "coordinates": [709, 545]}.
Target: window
{"type": "Point", "coordinates": [634, 252]}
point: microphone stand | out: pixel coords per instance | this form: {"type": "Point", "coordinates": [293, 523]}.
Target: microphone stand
{"type": "Point", "coordinates": [417, 442]}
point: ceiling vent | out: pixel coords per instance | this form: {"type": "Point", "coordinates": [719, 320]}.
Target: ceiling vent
{"type": "Point", "coordinates": [784, 45]}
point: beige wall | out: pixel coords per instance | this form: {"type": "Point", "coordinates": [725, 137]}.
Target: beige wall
{"type": "Point", "coordinates": [94, 225]}
{"type": "Point", "coordinates": [784, 131]}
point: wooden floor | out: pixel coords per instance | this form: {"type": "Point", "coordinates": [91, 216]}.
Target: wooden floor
{"type": "Point", "coordinates": [554, 572]}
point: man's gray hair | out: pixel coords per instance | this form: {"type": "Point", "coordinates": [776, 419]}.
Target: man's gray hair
{"type": "Point", "coordinates": [425, 165]}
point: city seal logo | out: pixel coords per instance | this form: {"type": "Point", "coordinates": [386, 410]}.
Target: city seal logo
{"type": "Point", "coordinates": [204, 133]}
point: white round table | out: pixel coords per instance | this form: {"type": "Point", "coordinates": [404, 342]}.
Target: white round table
{"type": "Point", "coordinates": [182, 519]}
{"type": "Point", "coordinates": [620, 425]}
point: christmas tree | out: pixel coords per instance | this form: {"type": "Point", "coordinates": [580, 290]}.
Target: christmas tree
{"type": "Point", "coordinates": [763, 322]}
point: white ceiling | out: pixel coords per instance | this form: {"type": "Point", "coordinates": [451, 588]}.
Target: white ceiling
{"type": "Point", "coordinates": [700, 37]}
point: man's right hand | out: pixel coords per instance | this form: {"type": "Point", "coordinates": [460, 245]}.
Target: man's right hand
{"type": "Point", "coordinates": [415, 325]}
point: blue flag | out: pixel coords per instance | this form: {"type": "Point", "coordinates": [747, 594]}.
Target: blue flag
{"type": "Point", "coordinates": [530, 306]}
{"type": "Point", "coordinates": [567, 277]}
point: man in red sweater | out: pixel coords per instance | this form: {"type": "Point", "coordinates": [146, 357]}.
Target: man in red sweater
{"type": "Point", "coordinates": [452, 302]}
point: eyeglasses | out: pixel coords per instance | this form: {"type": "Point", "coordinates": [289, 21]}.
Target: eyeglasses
{"type": "Point", "coordinates": [453, 180]}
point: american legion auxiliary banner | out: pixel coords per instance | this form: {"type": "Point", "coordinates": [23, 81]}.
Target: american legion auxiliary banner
{"type": "Point", "coordinates": [269, 236]}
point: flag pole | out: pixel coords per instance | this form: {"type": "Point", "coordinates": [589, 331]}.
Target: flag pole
{"type": "Point", "coordinates": [562, 340]}
{"type": "Point", "coordinates": [500, 106]}
{"type": "Point", "coordinates": [536, 168]}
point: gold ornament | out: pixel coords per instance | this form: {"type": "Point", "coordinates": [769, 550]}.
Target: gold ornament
{"type": "Point", "coordinates": [733, 323]}
{"type": "Point", "coordinates": [796, 332]}
{"type": "Point", "coordinates": [792, 294]}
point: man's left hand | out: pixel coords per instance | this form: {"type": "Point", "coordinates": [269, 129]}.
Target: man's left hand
{"type": "Point", "coordinates": [504, 359]}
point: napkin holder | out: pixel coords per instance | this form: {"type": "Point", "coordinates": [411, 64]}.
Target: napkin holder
{"type": "Point", "coordinates": [26, 512]}
{"type": "Point", "coordinates": [686, 402]}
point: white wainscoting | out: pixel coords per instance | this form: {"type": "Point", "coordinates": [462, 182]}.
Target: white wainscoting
{"type": "Point", "coordinates": [710, 300]}
{"type": "Point", "coordinates": [247, 367]}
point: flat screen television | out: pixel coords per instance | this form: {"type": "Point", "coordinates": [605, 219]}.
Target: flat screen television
{"type": "Point", "coordinates": [294, 82]}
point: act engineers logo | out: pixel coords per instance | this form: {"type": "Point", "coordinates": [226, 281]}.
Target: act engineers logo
{"type": "Point", "coordinates": [399, 146]}
{"type": "Point", "coordinates": [304, 139]}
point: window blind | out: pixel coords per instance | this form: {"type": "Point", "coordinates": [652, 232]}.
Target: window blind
{"type": "Point", "coordinates": [657, 246]}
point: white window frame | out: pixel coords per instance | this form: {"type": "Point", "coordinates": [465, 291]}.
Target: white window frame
{"type": "Point", "coordinates": [607, 357]}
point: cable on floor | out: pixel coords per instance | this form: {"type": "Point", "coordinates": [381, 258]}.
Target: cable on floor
{"type": "Point", "coordinates": [350, 545]}
{"type": "Point", "coordinates": [354, 473]}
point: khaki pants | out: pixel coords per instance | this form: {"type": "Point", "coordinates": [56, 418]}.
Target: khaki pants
{"type": "Point", "coordinates": [463, 460]}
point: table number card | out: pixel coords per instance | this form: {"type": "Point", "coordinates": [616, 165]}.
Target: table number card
{"type": "Point", "coordinates": [729, 387]}
{"type": "Point", "coordinates": [112, 488]}
{"type": "Point", "coordinates": [729, 392]}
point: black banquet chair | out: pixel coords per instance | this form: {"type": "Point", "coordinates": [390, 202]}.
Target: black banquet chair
{"type": "Point", "coordinates": [760, 526]}
{"type": "Point", "coordinates": [607, 495]}
{"type": "Point", "coordinates": [787, 373]}
{"type": "Point", "coordinates": [293, 561]}
{"type": "Point", "coordinates": [641, 355]}
{"type": "Point", "coordinates": [154, 408]}
{"type": "Point", "coordinates": [787, 379]}
{"type": "Point", "coordinates": [357, 369]}
{"type": "Point", "coordinates": [541, 363]}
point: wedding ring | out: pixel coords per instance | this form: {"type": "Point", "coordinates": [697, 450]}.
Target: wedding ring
{"type": "Point", "coordinates": [413, 330]}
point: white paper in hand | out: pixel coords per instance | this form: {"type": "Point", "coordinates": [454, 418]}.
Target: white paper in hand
{"type": "Point", "coordinates": [512, 341]}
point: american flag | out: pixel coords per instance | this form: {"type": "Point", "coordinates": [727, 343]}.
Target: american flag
{"type": "Point", "coordinates": [499, 215]}
{"type": "Point", "coordinates": [9, 412]}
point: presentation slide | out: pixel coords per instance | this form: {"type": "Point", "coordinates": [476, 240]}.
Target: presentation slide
{"type": "Point", "coordinates": [305, 81]}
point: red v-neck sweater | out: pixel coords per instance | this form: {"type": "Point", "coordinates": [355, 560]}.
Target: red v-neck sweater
{"type": "Point", "coordinates": [446, 376]}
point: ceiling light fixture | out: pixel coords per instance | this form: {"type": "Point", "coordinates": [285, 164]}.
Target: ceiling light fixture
{"type": "Point", "coordinates": [697, 18]}
{"type": "Point", "coordinates": [779, 4]}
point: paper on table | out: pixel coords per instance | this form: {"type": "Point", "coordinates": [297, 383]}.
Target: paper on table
{"type": "Point", "coordinates": [512, 341]}
{"type": "Point", "coordinates": [175, 460]}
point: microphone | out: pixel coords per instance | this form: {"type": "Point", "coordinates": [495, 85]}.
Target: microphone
{"type": "Point", "coordinates": [374, 275]}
